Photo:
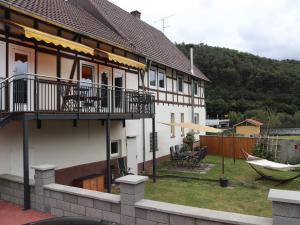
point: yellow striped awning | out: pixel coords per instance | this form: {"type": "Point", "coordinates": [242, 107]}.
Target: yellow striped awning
{"type": "Point", "coordinates": [52, 39]}
{"type": "Point", "coordinates": [194, 126]}
{"type": "Point", "coordinates": [120, 59]}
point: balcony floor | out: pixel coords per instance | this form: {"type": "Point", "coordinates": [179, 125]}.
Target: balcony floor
{"type": "Point", "coordinates": [12, 214]}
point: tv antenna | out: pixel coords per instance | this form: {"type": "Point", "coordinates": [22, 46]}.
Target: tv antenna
{"type": "Point", "coordinates": [163, 20]}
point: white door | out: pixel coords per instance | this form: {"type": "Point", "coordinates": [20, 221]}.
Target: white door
{"type": "Point", "coordinates": [132, 154]}
{"type": "Point", "coordinates": [118, 83]}
{"type": "Point", "coordinates": [104, 82]}
{"type": "Point", "coordinates": [88, 90]}
{"type": "Point", "coordinates": [21, 66]}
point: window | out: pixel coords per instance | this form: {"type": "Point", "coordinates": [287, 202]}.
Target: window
{"type": "Point", "coordinates": [196, 118]}
{"type": "Point", "coordinates": [180, 84]}
{"type": "Point", "coordinates": [152, 78]}
{"type": "Point", "coordinates": [115, 148]}
{"type": "Point", "coordinates": [172, 127]}
{"type": "Point", "coordinates": [87, 73]}
{"type": "Point", "coordinates": [20, 91]}
{"type": "Point", "coordinates": [104, 89]}
{"type": "Point", "coordinates": [195, 88]}
{"type": "Point", "coordinates": [182, 121]}
{"type": "Point", "coordinates": [161, 79]}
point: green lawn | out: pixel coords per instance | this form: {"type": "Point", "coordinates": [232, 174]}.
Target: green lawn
{"type": "Point", "coordinates": [244, 195]}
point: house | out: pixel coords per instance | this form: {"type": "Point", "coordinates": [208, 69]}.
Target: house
{"type": "Point", "coordinates": [248, 127]}
{"type": "Point", "coordinates": [82, 83]}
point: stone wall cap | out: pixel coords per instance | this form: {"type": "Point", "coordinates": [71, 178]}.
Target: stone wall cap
{"type": "Point", "coordinates": [284, 196]}
{"type": "Point", "coordinates": [132, 179]}
{"type": "Point", "coordinates": [44, 167]}
{"type": "Point", "coordinates": [204, 214]}
{"type": "Point", "coordinates": [84, 193]}
{"type": "Point", "coordinates": [15, 178]}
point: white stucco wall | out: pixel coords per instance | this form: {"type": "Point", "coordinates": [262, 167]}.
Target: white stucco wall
{"type": "Point", "coordinates": [58, 143]}
{"type": "Point", "coordinates": [163, 114]}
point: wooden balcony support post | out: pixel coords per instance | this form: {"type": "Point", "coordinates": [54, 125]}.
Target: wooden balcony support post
{"type": "Point", "coordinates": [26, 164]}
{"type": "Point", "coordinates": [108, 168]}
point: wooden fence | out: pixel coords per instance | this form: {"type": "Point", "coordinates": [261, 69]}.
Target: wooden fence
{"type": "Point", "coordinates": [231, 145]}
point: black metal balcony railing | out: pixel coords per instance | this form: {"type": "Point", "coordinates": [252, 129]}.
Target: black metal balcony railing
{"type": "Point", "coordinates": [36, 93]}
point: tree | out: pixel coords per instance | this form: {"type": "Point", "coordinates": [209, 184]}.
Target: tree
{"type": "Point", "coordinates": [235, 117]}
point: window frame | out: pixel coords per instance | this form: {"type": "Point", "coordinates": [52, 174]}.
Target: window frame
{"type": "Point", "coordinates": [182, 79]}
{"type": "Point", "coordinates": [173, 134]}
{"type": "Point", "coordinates": [195, 85]}
{"type": "Point", "coordinates": [155, 76]}
{"type": "Point", "coordinates": [182, 121]}
{"type": "Point", "coordinates": [115, 155]}
{"type": "Point", "coordinates": [159, 72]}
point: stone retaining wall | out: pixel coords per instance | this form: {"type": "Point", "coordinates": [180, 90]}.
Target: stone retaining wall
{"type": "Point", "coordinates": [12, 190]}
{"type": "Point", "coordinates": [61, 200]}
{"type": "Point", "coordinates": [130, 207]}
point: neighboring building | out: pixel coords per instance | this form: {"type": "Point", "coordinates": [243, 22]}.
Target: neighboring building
{"type": "Point", "coordinates": [248, 127]}
{"type": "Point", "coordinates": [77, 75]}
{"type": "Point", "coordinates": [217, 123]}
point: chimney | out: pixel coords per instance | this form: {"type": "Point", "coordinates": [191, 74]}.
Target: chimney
{"type": "Point", "coordinates": [136, 14]}
{"type": "Point", "coordinates": [192, 60]}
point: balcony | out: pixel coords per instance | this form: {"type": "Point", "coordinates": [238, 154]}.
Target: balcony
{"type": "Point", "coordinates": [43, 97]}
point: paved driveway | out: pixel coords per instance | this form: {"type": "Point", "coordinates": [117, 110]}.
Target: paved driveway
{"type": "Point", "coordinates": [12, 214]}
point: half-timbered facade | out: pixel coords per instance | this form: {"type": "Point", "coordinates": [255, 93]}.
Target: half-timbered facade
{"type": "Point", "coordinates": [83, 83]}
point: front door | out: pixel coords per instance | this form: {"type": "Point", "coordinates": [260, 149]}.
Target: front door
{"type": "Point", "coordinates": [132, 154]}
{"type": "Point", "coordinates": [22, 85]}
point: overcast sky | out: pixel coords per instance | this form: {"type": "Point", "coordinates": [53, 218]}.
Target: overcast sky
{"type": "Point", "coordinates": [269, 28]}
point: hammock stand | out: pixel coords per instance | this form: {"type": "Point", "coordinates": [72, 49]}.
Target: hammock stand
{"type": "Point", "coordinates": [263, 175]}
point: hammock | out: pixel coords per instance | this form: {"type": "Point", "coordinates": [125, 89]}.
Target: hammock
{"type": "Point", "coordinates": [256, 162]}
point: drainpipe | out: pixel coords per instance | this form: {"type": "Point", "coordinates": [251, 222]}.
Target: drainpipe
{"type": "Point", "coordinates": [192, 84]}
{"type": "Point", "coordinates": [149, 62]}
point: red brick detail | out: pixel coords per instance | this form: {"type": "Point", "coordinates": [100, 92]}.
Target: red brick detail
{"type": "Point", "coordinates": [148, 164]}
{"type": "Point", "coordinates": [67, 175]}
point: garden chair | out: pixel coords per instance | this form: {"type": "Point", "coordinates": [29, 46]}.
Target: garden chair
{"type": "Point", "coordinates": [122, 167]}
{"type": "Point", "coordinates": [172, 153]}
{"type": "Point", "coordinates": [177, 150]}
{"type": "Point", "coordinates": [199, 156]}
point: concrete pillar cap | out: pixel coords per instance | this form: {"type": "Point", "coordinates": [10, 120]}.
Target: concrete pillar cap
{"type": "Point", "coordinates": [44, 167]}
{"type": "Point", "coordinates": [132, 179]}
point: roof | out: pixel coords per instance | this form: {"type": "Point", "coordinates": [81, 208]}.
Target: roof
{"type": "Point", "coordinates": [102, 20]}
{"type": "Point", "coordinates": [251, 121]}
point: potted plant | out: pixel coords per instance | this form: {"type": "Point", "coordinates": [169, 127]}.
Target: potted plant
{"type": "Point", "coordinates": [189, 140]}
{"type": "Point", "coordinates": [224, 181]}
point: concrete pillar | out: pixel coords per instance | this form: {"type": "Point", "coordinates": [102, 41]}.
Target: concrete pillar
{"type": "Point", "coordinates": [44, 174]}
{"type": "Point", "coordinates": [131, 191]}
{"type": "Point", "coordinates": [286, 207]}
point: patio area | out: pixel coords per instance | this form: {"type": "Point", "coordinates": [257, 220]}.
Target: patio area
{"type": "Point", "coordinates": [12, 214]}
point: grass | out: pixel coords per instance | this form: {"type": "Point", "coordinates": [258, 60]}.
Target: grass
{"type": "Point", "coordinates": [244, 194]}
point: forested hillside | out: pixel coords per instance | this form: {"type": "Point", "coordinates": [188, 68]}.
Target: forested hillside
{"type": "Point", "coordinates": [245, 85]}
